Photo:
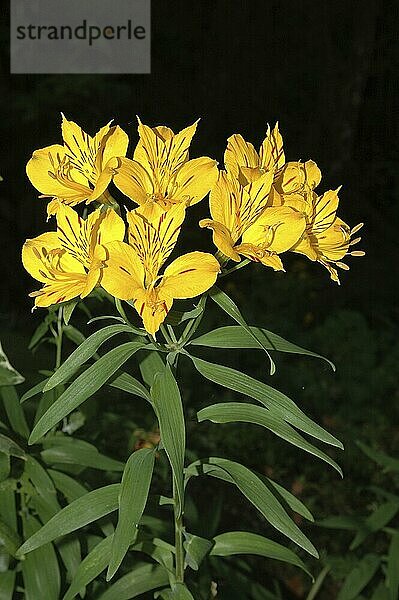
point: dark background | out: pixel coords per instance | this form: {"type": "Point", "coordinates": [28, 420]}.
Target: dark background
{"type": "Point", "coordinates": [327, 71]}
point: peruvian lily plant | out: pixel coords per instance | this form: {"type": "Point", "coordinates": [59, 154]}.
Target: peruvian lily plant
{"type": "Point", "coordinates": [126, 251]}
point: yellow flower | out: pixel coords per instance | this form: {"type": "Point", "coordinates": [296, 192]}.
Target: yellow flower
{"type": "Point", "coordinates": [69, 261]}
{"type": "Point", "coordinates": [327, 239]}
{"type": "Point", "coordinates": [160, 172]}
{"type": "Point", "coordinates": [242, 212]}
{"type": "Point", "coordinates": [131, 271]}
{"type": "Point", "coordinates": [79, 170]}
{"type": "Point", "coordinates": [245, 164]}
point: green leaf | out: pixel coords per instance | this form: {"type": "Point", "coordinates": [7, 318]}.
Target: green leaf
{"type": "Point", "coordinates": [90, 507]}
{"type": "Point", "coordinates": [83, 387]}
{"type": "Point", "coordinates": [359, 577]}
{"type": "Point", "coordinates": [136, 481]}
{"type": "Point", "coordinates": [375, 522]}
{"type": "Point", "coordinates": [8, 375]}
{"type": "Point", "coordinates": [150, 365]}
{"type": "Point", "coordinates": [14, 411]}
{"type": "Point", "coordinates": [7, 506]}
{"type": "Point", "coordinates": [275, 401]}
{"type": "Point", "coordinates": [129, 384]}
{"type": "Point", "coordinates": [68, 309]}
{"type": "Point", "coordinates": [349, 522]}
{"type": "Point", "coordinates": [389, 463]}
{"type": "Point", "coordinates": [392, 576]}
{"type": "Point", "coordinates": [5, 467]}
{"type": "Point", "coordinates": [230, 307]}
{"type": "Point", "coordinates": [141, 579]}
{"type": "Point", "coordinates": [242, 542]}
{"type": "Point", "coordinates": [74, 334]}
{"type": "Point", "coordinates": [40, 568]}
{"type": "Point", "coordinates": [39, 333]}
{"type": "Point", "coordinates": [69, 488]}
{"type": "Point", "coordinates": [9, 538]}
{"type": "Point", "coordinates": [83, 353]}
{"type": "Point", "coordinates": [36, 389]}
{"type": "Point", "coordinates": [10, 448]}
{"type": "Point", "coordinates": [167, 402]}
{"type": "Point", "coordinates": [70, 451]}
{"type": "Point", "coordinates": [293, 502]}
{"type": "Point", "coordinates": [7, 582]}
{"type": "Point", "coordinates": [197, 548]}
{"type": "Point", "coordinates": [256, 492]}
{"type": "Point", "coordinates": [229, 412]}
{"type": "Point", "coordinates": [176, 317]}
{"type": "Point", "coordinates": [179, 591]}
{"type": "Point", "coordinates": [237, 337]}
{"type": "Point", "coordinates": [90, 567]}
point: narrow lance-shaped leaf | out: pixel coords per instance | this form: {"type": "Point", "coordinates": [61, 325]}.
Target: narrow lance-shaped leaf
{"type": "Point", "coordinates": [67, 450]}
{"type": "Point", "coordinates": [7, 582]}
{"type": "Point", "coordinates": [84, 510]}
{"type": "Point", "coordinates": [8, 375]}
{"type": "Point", "coordinates": [233, 336]}
{"type": "Point", "coordinates": [150, 365]}
{"type": "Point", "coordinates": [230, 307]}
{"type": "Point", "coordinates": [40, 569]}
{"type": "Point", "coordinates": [135, 486]}
{"type": "Point", "coordinates": [167, 401]}
{"type": "Point", "coordinates": [90, 567]}
{"type": "Point", "coordinates": [14, 411]}
{"type": "Point", "coordinates": [228, 412]}
{"type": "Point", "coordinates": [275, 401]}
{"type": "Point", "coordinates": [83, 387]}
{"type": "Point", "coordinates": [242, 542]}
{"type": "Point", "coordinates": [179, 591]}
{"type": "Point", "coordinates": [83, 353]}
{"type": "Point", "coordinates": [257, 493]}
{"type": "Point", "coordinates": [359, 577]}
{"type": "Point", "coordinates": [10, 448]}
{"type": "Point", "coordinates": [143, 578]}
{"type": "Point", "coordinates": [129, 384]}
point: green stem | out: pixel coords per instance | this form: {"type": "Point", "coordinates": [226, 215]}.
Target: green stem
{"type": "Point", "coordinates": [178, 536]}
{"type": "Point", "coordinates": [240, 265]}
{"type": "Point", "coordinates": [318, 583]}
{"type": "Point", "coordinates": [58, 339]}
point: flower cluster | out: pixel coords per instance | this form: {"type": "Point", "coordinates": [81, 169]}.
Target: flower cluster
{"type": "Point", "coordinates": [261, 206]}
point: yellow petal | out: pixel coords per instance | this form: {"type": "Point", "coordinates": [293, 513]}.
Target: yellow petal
{"type": "Point", "coordinates": [325, 208]}
{"type": "Point", "coordinates": [333, 243]}
{"type": "Point", "coordinates": [224, 202]}
{"type": "Point", "coordinates": [76, 140]}
{"type": "Point", "coordinates": [60, 291]}
{"type": "Point", "coordinates": [313, 174]}
{"type": "Point", "coordinates": [195, 179]}
{"type": "Point", "coordinates": [41, 169]}
{"type": "Point", "coordinates": [221, 238]}
{"type": "Point", "coordinates": [156, 150]}
{"type": "Point", "coordinates": [257, 254]}
{"type": "Point", "coordinates": [115, 144]}
{"type": "Point", "coordinates": [153, 308]}
{"type": "Point", "coordinates": [103, 180]}
{"type": "Point", "coordinates": [123, 273]}
{"type": "Point", "coordinates": [307, 246]}
{"type": "Point", "coordinates": [277, 229]}
{"type": "Point", "coordinates": [238, 154]}
{"type": "Point", "coordinates": [154, 239]}
{"type": "Point", "coordinates": [35, 252]}
{"type": "Point", "coordinates": [133, 181]}
{"type": "Point", "coordinates": [272, 153]}
{"type": "Point", "coordinates": [111, 227]}
{"type": "Point", "coordinates": [189, 275]}
{"type": "Point", "coordinates": [291, 179]}
{"type": "Point", "coordinates": [74, 233]}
